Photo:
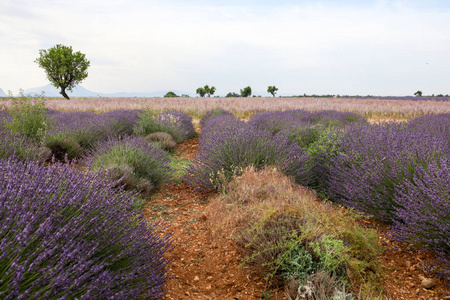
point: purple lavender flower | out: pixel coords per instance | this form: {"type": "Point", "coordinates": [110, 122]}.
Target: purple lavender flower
{"type": "Point", "coordinates": [66, 234]}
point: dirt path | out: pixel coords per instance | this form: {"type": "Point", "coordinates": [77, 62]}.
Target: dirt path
{"type": "Point", "coordinates": [207, 267]}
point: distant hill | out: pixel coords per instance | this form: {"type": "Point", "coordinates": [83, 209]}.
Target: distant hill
{"type": "Point", "coordinates": [79, 91]}
{"type": "Point", "coordinates": [2, 93]}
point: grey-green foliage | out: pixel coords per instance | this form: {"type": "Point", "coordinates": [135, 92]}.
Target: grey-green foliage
{"type": "Point", "coordinates": [297, 262]}
{"type": "Point", "coordinates": [28, 116]}
{"type": "Point", "coordinates": [163, 140]}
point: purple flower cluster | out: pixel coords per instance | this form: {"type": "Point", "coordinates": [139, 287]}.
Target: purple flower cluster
{"type": "Point", "coordinates": [211, 113]}
{"type": "Point", "coordinates": [277, 121]}
{"type": "Point", "coordinates": [21, 147]}
{"type": "Point", "coordinates": [423, 216]}
{"type": "Point", "coordinates": [228, 145]}
{"type": "Point", "coordinates": [374, 160]}
{"type": "Point", "coordinates": [399, 173]}
{"type": "Point", "coordinates": [73, 132]}
{"type": "Point", "coordinates": [66, 234]}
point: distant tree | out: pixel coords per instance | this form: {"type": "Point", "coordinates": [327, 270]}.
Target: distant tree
{"type": "Point", "coordinates": [65, 69]}
{"type": "Point", "coordinates": [418, 94]}
{"type": "Point", "coordinates": [209, 90]}
{"type": "Point", "coordinates": [206, 90]}
{"type": "Point", "coordinates": [185, 96]}
{"type": "Point", "coordinates": [246, 92]}
{"type": "Point", "coordinates": [201, 92]}
{"type": "Point", "coordinates": [272, 90]}
{"type": "Point", "coordinates": [232, 94]}
{"type": "Point", "coordinates": [170, 94]}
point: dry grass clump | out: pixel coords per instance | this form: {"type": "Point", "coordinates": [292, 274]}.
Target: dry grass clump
{"type": "Point", "coordinates": [162, 139]}
{"type": "Point", "coordinates": [288, 234]}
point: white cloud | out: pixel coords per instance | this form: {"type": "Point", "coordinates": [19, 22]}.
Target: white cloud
{"type": "Point", "coordinates": [314, 47]}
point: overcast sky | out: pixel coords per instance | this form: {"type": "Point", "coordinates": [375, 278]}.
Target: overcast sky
{"type": "Point", "coordinates": [324, 47]}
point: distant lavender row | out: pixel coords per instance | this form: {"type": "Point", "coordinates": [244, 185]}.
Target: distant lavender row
{"type": "Point", "coordinates": [387, 107]}
{"type": "Point", "coordinates": [71, 235]}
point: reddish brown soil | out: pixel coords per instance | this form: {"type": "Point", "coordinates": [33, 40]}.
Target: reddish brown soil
{"type": "Point", "coordinates": [207, 266]}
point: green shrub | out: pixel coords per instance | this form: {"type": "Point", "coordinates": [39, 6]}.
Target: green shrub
{"type": "Point", "coordinates": [28, 116]}
{"type": "Point", "coordinates": [139, 164]}
{"type": "Point", "coordinates": [331, 252]}
{"type": "Point", "coordinates": [147, 124]}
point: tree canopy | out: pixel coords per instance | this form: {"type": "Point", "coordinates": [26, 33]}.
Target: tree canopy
{"type": "Point", "coordinates": [206, 90]}
{"type": "Point", "coordinates": [272, 90]}
{"type": "Point", "coordinates": [246, 92]}
{"type": "Point", "coordinates": [64, 68]}
{"type": "Point", "coordinates": [170, 95]}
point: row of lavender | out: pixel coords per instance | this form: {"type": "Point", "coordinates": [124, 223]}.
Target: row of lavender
{"type": "Point", "coordinates": [71, 233]}
{"type": "Point", "coordinates": [397, 172]}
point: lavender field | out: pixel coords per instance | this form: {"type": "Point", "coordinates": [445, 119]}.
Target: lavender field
{"type": "Point", "coordinates": [107, 155]}
{"type": "Point", "coordinates": [404, 107]}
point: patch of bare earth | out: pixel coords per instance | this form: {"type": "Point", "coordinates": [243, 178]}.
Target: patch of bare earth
{"type": "Point", "coordinates": [207, 266]}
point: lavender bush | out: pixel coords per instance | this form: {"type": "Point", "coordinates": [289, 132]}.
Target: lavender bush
{"type": "Point", "coordinates": [178, 124]}
{"type": "Point", "coordinates": [73, 133]}
{"type": "Point", "coordinates": [66, 234]}
{"type": "Point", "coordinates": [219, 123]}
{"type": "Point", "coordinates": [140, 164]}
{"type": "Point", "coordinates": [211, 113]}
{"type": "Point", "coordinates": [236, 146]}
{"type": "Point", "coordinates": [276, 121]}
{"type": "Point", "coordinates": [21, 147]}
{"type": "Point", "coordinates": [423, 216]}
{"type": "Point", "coordinates": [374, 159]}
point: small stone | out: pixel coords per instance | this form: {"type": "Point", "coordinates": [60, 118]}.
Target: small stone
{"type": "Point", "coordinates": [412, 269]}
{"type": "Point", "coordinates": [408, 264]}
{"type": "Point", "coordinates": [196, 278]}
{"type": "Point", "coordinates": [195, 289]}
{"type": "Point", "coordinates": [187, 293]}
{"type": "Point", "coordinates": [209, 278]}
{"type": "Point", "coordinates": [428, 283]}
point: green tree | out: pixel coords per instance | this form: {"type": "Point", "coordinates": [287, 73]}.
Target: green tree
{"type": "Point", "coordinates": [170, 94]}
{"type": "Point", "coordinates": [232, 94]}
{"type": "Point", "coordinates": [246, 92]}
{"type": "Point", "coordinates": [206, 90]}
{"type": "Point", "coordinates": [209, 90]}
{"type": "Point", "coordinates": [201, 92]}
{"type": "Point", "coordinates": [418, 94]}
{"type": "Point", "coordinates": [65, 68]}
{"type": "Point", "coordinates": [272, 90]}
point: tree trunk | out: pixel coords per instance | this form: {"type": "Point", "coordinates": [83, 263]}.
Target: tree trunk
{"type": "Point", "coordinates": [63, 93]}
